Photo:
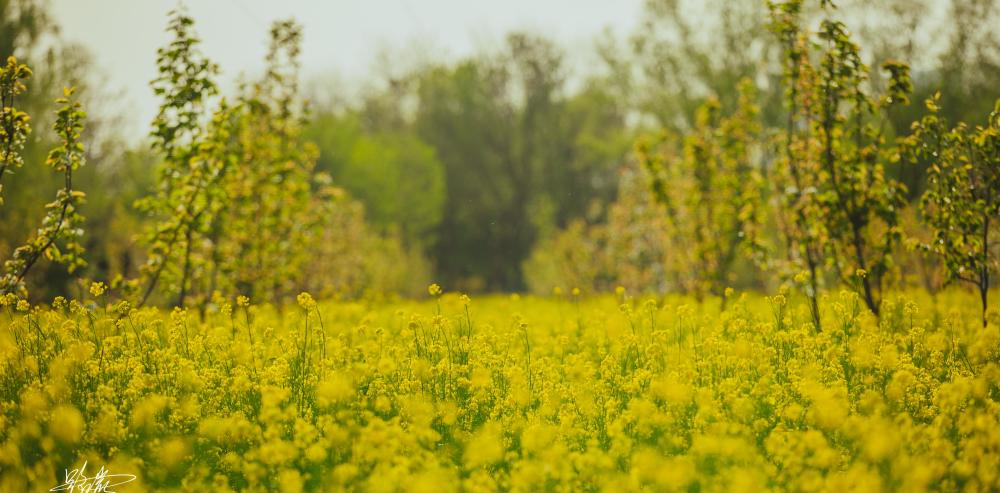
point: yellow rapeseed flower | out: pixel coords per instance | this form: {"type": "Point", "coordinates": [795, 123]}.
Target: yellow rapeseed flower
{"type": "Point", "coordinates": [306, 301]}
{"type": "Point", "coordinates": [97, 288]}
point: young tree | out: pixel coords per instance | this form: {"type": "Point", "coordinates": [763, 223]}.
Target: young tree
{"type": "Point", "coordinates": [840, 125]}
{"type": "Point", "coordinates": [961, 204]}
{"type": "Point", "coordinates": [271, 217]}
{"type": "Point", "coordinates": [796, 169]}
{"type": "Point", "coordinates": [863, 204]}
{"type": "Point", "coordinates": [240, 208]}
{"type": "Point", "coordinates": [58, 238]}
{"type": "Point", "coordinates": [712, 193]}
{"type": "Point", "coordinates": [188, 171]}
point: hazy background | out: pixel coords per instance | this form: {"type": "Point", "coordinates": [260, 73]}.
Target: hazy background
{"type": "Point", "coordinates": [483, 145]}
{"type": "Point", "coordinates": [342, 39]}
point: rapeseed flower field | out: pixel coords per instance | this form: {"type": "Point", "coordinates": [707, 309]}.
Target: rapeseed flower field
{"type": "Point", "coordinates": [737, 249]}
{"type": "Point", "coordinates": [504, 393]}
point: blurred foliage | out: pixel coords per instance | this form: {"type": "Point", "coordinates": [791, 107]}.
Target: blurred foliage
{"type": "Point", "coordinates": [471, 169]}
{"type": "Point", "coordinates": [834, 175]}
{"type": "Point", "coordinates": [518, 153]}
{"type": "Point", "coordinates": [397, 176]}
{"type": "Point", "coordinates": [22, 24]}
{"type": "Point", "coordinates": [240, 207]}
{"type": "Point", "coordinates": [712, 191]}
{"type": "Point", "coordinates": [685, 51]}
{"type": "Point", "coordinates": [630, 248]}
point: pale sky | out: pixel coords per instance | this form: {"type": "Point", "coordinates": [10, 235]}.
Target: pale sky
{"type": "Point", "coordinates": [342, 38]}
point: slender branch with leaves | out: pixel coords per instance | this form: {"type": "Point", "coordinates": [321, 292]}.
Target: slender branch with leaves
{"type": "Point", "coordinates": [58, 238]}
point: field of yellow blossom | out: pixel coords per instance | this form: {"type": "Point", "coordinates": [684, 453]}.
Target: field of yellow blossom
{"type": "Point", "coordinates": [504, 393]}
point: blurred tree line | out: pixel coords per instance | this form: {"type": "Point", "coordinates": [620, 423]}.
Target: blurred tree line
{"type": "Point", "coordinates": [474, 161]}
{"type": "Point", "coordinates": [489, 166]}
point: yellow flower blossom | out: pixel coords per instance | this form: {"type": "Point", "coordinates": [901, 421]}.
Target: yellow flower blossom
{"type": "Point", "coordinates": [97, 289]}
{"type": "Point", "coordinates": [306, 301]}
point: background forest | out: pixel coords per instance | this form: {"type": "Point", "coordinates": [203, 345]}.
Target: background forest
{"type": "Point", "coordinates": [512, 169]}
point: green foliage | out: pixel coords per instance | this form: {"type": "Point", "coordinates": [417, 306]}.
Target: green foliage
{"type": "Point", "coordinates": [240, 208]}
{"type": "Point", "coordinates": [961, 204]}
{"type": "Point", "coordinates": [862, 205]}
{"type": "Point", "coordinates": [503, 168]}
{"type": "Point", "coordinates": [14, 123]}
{"type": "Point", "coordinates": [113, 177]}
{"type": "Point", "coordinates": [192, 164]}
{"type": "Point", "coordinates": [838, 203]}
{"type": "Point", "coordinates": [837, 213]}
{"type": "Point", "coordinates": [712, 193]}
{"type": "Point", "coordinates": [185, 85]}
{"type": "Point", "coordinates": [398, 177]}
{"type": "Point", "coordinates": [513, 144]}
{"type": "Point", "coordinates": [266, 229]}
{"type": "Point", "coordinates": [796, 171]}
{"type": "Point", "coordinates": [58, 238]}
{"type": "Point", "coordinates": [235, 196]}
